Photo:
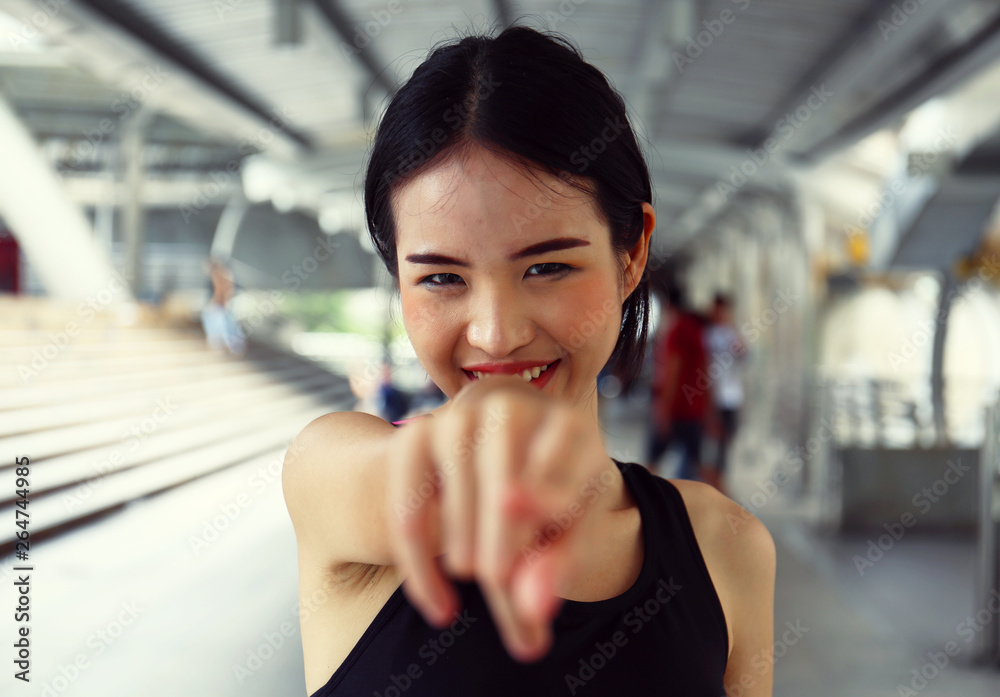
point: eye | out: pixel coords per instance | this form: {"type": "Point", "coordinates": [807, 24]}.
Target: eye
{"type": "Point", "coordinates": [428, 280]}
{"type": "Point", "coordinates": [443, 280]}
{"type": "Point", "coordinates": [550, 269]}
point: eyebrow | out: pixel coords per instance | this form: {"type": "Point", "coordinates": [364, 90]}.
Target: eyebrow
{"type": "Point", "coordinates": [552, 245]}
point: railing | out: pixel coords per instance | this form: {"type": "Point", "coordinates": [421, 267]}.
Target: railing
{"type": "Point", "coordinates": [879, 440]}
{"type": "Point", "coordinates": [987, 593]}
{"type": "Point", "coordinates": [885, 415]}
{"type": "Point", "coordinates": [879, 413]}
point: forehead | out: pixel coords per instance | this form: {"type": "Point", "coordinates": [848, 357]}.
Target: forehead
{"type": "Point", "coordinates": [483, 197]}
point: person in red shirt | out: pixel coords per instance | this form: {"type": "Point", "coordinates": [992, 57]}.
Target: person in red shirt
{"type": "Point", "coordinates": [679, 397]}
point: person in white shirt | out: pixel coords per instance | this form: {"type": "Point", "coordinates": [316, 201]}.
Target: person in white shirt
{"type": "Point", "coordinates": [726, 351]}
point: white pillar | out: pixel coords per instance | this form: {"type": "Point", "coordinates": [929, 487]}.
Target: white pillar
{"type": "Point", "coordinates": [51, 229]}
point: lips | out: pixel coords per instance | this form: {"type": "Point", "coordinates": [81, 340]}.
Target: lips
{"type": "Point", "coordinates": [538, 375]}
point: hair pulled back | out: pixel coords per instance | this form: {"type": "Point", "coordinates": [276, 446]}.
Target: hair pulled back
{"type": "Point", "coordinates": [530, 97]}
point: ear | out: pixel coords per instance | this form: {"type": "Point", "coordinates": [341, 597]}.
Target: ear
{"type": "Point", "coordinates": [639, 254]}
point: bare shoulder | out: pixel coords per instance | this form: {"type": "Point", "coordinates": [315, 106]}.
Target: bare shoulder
{"type": "Point", "coordinates": [311, 462]}
{"type": "Point", "coordinates": [319, 447]}
{"type": "Point", "coordinates": [327, 429]}
{"type": "Point", "coordinates": [722, 521]}
{"type": "Point", "coordinates": [333, 480]}
{"type": "Point", "coordinates": [739, 552]}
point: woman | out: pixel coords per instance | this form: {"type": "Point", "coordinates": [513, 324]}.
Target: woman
{"type": "Point", "coordinates": [222, 330]}
{"type": "Point", "coordinates": [492, 547]}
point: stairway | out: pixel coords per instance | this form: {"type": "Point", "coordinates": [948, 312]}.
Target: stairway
{"type": "Point", "coordinates": [111, 410]}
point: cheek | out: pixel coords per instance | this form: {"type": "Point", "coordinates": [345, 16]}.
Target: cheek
{"type": "Point", "coordinates": [429, 330]}
{"type": "Point", "coordinates": [588, 318]}
{"type": "Point", "coordinates": [418, 317]}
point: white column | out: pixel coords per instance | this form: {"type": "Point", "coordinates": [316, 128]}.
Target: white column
{"type": "Point", "coordinates": [51, 229]}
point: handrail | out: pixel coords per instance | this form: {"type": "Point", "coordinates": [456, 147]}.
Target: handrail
{"type": "Point", "coordinates": [987, 582]}
{"type": "Point", "coordinates": [878, 412]}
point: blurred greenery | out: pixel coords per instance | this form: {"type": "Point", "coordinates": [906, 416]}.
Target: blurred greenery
{"type": "Point", "coordinates": [316, 312]}
{"type": "Point", "coordinates": [357, 312]}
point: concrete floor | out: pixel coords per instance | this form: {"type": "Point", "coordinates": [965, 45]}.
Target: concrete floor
{"type": "Point", "coordinates": [176, 595]}
{"type": "Point", "coordinates": [867, 632]}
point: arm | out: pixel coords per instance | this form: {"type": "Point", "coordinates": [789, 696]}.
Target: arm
{"type": "Point", "coordinates": [752, 562]}
{"type": "Point", "coordinates": [334, 483]}
{"type": "Point", "coordinates": [740, 555]}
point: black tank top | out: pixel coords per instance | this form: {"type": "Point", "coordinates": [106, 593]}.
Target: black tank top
{"type": "Point", "coordinates": [666, 635]}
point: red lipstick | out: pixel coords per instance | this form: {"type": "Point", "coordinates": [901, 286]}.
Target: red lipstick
{"type": "Point", "coordinates": [515, 368]}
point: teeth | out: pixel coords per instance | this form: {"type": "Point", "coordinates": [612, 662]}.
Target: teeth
{"type": "Point", "coordinates": [527, 375]}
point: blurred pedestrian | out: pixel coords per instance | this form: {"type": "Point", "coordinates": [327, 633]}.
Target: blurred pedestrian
{"type": "Point", "coordinates": [222, 331]}
{"type": "Point", "coordinates": [391, 402]}
{"type": "Point", "coordinates": [363, 377]}
{"type": "Point", "coordinates": [679, 398]}
{"type": "Point", "coordinates": [429, 397]}
{"type": "Point", "coordinates": [726, 352]}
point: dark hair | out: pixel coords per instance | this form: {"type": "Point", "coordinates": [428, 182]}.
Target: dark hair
{"type": "Point", "coordinates": [531, 98]}
{"type": "Point", "coordinates": [721, 300]}
{"type": "Point", "coordinates": [674, 296]}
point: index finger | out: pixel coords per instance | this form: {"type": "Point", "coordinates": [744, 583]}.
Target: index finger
{"type": "Point", "coordinates": [414, 510]}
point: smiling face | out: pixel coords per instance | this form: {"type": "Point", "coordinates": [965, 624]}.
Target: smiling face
{"type": "Point", "coordinates": [497, 272]}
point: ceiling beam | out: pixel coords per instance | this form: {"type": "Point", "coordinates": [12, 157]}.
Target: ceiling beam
{"type": "Point", "coordinates": [345, 29]}
{"type": "Point", "coordinates": [954, 66]}
{"type": "Point", "coordinates": [127, 19]}
{"type": "Point", "coordinates": [825, 66]}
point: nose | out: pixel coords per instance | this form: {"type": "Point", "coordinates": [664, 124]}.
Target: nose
{"type": "Point", "coordinates": [499, 322]}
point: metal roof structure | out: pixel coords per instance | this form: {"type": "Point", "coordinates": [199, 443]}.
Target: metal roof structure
{"type": "Point", "coordinates": [707, 81]}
